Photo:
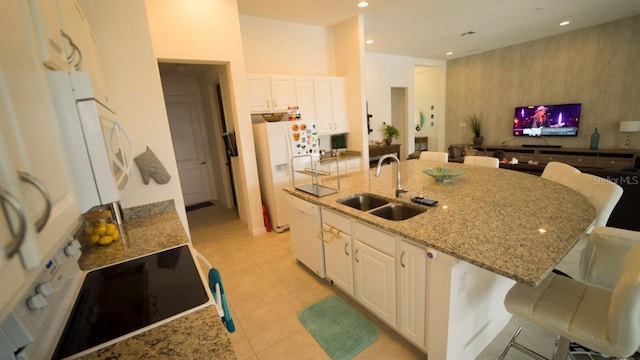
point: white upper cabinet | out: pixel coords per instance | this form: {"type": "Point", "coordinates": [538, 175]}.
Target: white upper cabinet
{"type": "Point", "coordinates": [339, 105]}
{"type": "Point", "coordinates": [271, 93]}
{"type": "Point", "coordinates": [66, 41]}
{"type": "Point", "coordinates": [331, 105]}
{"type": "Point", "coordinates": [322, 99]}
{"type": "Point", "coordinates": [38, 208]}
{"type": "Point", "coordinates": [305, 97]}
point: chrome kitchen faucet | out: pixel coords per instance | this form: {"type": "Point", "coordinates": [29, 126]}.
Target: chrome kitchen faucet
{"type": "Point", "coordinates": [399, 188]}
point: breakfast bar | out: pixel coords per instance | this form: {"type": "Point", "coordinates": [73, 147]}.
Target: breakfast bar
{"type": "Point", "coordinates": [513, 224]}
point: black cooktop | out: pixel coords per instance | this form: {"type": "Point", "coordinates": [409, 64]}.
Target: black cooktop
{"type": "Point", "coordinates": [129, 296]}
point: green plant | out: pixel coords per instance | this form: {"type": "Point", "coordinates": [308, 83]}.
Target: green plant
{"type": "Point", "coordinates": [475, 124]}
{"type": "Point", "coordinates": [390, 132]}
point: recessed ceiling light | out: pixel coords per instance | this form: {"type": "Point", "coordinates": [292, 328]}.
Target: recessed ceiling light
{"type": "Point", "coordinates": [449, 53]}
{"type": "Point", "coordinates": [566, 22]}
{"type": "Point", "coordinates": [368, 42]}
{"type": "Point", "coordinates": [362, 4]}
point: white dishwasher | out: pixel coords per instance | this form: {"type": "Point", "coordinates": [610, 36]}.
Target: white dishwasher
{"type": "Point", "coordinates": [304, 227]}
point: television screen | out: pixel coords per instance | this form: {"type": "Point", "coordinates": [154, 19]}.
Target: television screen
{"type": "Point", "coordinates": [547, 120]}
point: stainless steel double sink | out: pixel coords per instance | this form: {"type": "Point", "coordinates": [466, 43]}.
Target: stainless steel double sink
{"type": "Point", "coordinates": [381, 207]}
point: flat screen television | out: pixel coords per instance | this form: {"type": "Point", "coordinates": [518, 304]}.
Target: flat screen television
{"type": "Point", "coordinates": [547, 120]}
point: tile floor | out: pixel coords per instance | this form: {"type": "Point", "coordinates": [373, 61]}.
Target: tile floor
{"type": "Point", "coordinates": [267, 288]}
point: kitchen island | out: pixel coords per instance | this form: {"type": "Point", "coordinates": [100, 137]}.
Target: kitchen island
{"type": "Point", "coordinates": [196, 335]}
{"type": "Point", "coordinates": [513, 224]}
{"type": "Point", "coordinates": [439, 278]}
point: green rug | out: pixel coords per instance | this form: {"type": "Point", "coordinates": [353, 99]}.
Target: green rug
{"type": "Point", "coordinates": [338, 328]}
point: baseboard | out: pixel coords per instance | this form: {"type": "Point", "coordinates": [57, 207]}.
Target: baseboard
{"type": "Point", "coordinates": [486, 337]}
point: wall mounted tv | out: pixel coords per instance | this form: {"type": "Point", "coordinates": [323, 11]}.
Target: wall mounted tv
{"type": "Point", "coordinates": [547, 120]}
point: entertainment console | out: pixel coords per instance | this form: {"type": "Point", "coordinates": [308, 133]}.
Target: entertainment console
{"type": "Point", "coordinates": [603, 158]}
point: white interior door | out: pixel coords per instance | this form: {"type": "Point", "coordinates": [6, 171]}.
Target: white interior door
{"type": "Point", "coordinates": [184, 121]}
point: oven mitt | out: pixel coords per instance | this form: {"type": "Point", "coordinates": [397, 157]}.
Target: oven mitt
{"type": "Point", "coordinates": [151, 167]}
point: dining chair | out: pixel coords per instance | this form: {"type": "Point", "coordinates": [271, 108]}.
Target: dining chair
{"type": "Point", "coordinates": [602, 316]}
{"type": "Point", "coordinates": [436, 156]}
{"type": "Point", "coordinates": [485, 161]}
{"type": "Point", "coordinates": [603, 194]}
{"type": "Point", "coordinates": [558, 172]}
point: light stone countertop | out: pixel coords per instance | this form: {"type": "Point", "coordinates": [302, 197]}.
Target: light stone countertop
{"type": "Point", "coordinates": [197, 335]}
{"type": "Point", "coordinates": [511, 223]}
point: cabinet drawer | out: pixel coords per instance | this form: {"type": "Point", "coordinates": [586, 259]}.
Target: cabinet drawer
{"type": "Point", "coordinates": [376, 238]}
{"type": "Point", "coordinates": [337, 221]}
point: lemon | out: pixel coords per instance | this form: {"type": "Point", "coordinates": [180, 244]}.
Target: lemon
{"type": "Point", "coordinates": [100, 229]}
{"type": "Point", "coordinates": [111, 228]}
{"type": "Point", "coordinates": [89, 230]}
{"type": "Point", "coordinates": [94, 238]}
{"type": "Point", "coordinates": [105, 240]}
{"type": "Point", "coordinates": [116, 235]}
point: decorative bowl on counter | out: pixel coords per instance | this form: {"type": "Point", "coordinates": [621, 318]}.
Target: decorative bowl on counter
{"type": "Point", "coordinates": [443, 174]}
{"type": "Point", "coordinates": [273, 117]}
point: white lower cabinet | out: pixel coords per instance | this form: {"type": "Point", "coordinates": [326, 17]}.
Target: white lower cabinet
{"type": "Point", "coordinates": [412, 291]}
{"type": "Point", "coordinates": [338, 250]}
{"type": "Point", "coordinates": [375, 281]}
{"type": "Point", "coordinates": [447, 307]}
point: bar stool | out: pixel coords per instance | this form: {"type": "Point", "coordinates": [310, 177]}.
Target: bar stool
{"type": "Point", "coordinates": [558, 172]}
{"type": "Point", "coordinates": [435, 156]}
{"type": "Point", "coordinates": [606, 320]}
{"type": "Point", "coordinates": [485, 161]}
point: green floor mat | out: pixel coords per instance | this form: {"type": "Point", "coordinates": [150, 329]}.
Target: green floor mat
{"type": "Point", "coordinates": [338, 328]}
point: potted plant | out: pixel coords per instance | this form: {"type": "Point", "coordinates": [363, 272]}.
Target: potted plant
{"type": "Point", "coordinates": [475, 124]}
{"type": "Point", "coordinates": [390, 132]}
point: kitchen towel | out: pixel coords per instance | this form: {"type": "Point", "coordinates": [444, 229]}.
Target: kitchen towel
{"type": "Point", "coordinates": [151, 168]}
{"type": "Point", "coordinates": [341, 331]}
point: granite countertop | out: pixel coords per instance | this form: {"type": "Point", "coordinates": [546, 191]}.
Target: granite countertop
{"type": "Point", "coordinates": [511, 223]}
{"type": "Point", "coordinates": [197, 335]}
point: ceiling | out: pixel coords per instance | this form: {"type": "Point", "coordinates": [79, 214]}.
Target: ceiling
{"type": "Point", "coordinates": [431, 28]}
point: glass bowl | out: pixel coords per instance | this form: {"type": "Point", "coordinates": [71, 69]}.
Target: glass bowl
{"type": "Point", "coordinates": [443, 174]}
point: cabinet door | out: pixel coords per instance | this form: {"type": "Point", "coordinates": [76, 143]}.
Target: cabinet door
{"type": "Point", "coordinates": [283, 93]}
{"type": "Point", "coordinates": [34, 141]}
{"type": "Point", "coordinates": [339, 105]}
{"type": "Point", "coordinates": [259, 93]}
{"type": "Point", "coordinates": [305, 98]}
{"type": "Point", "coordinates": [324, 109]}
{"type": "Point", "coordinates": [87, 56]}
{"type": "Point", "coordinates": [337, 260]}
{"type": "Point", "coordinates": [375, 279]}
{"type": "Point", "coordinates": [413, 289]}
{"type": "Point", "coordinates": [47, 22]}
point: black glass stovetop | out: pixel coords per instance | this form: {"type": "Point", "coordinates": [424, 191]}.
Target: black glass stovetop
{"type": "Point", "coordinates": [125, 297]}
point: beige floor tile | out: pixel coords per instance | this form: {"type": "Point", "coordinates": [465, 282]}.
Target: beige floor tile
{"type": "Point", "coordinates": [386, 348]}
{"type": "Point", "coordinates": [253, 296]}
{"type": "Point", "coordinates": [291, 278]}
{"type": "Point", "coordinates": [297, 346]}
{"type": "Point", "coordinates": [309, 295]}
{"type": "Point", "coordinates": [240, 274]}
{"type": "Point", "coordinates": [270, 324]}
{"type": "Point", "coordinates": [241, 345]}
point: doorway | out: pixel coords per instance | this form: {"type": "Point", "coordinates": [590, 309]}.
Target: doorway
{"type": "Point", "coordinates": [399, 117]}
{"type": "Point", "coordinates": [194, 97]}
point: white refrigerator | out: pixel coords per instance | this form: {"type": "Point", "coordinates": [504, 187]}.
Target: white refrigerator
{"type": "Point", "coordinates": [275, 143]}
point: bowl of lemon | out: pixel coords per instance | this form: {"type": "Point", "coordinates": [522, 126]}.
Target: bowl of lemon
{"type": "Point", "coordinates": [443, 174]}
{"type": "Point", "coordinates": [101, 229]}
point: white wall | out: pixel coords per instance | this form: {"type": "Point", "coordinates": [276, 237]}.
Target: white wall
{"type": "Point", "coordinates": [429, 91]}
{"type": "Point", "coordinates": [133, 82]}
{"type": "Point", "coordinates": [384, 72]}
{"type": "Point", "coordinates": [201, 31]}
{"type": "Point", "coordinates": [280, 47]}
